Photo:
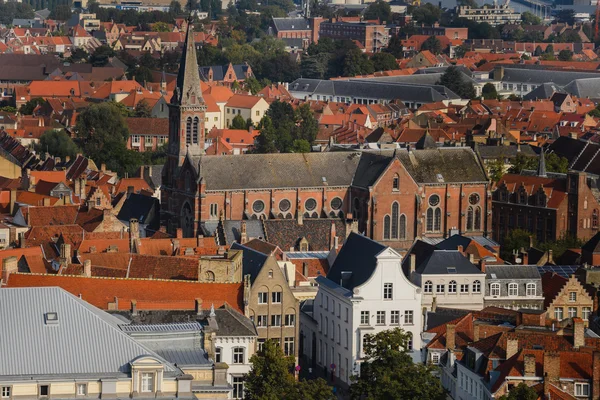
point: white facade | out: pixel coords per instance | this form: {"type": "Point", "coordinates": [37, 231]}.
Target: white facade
{"type": "Point", "coordinates": [236, 352]}
{"type": "Point", "coordinates": [464, 291]}
{"type": "Point", "coordinates": [386, 300]}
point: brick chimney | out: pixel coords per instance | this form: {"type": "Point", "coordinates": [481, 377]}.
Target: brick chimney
{"type": "Point", "coordinates": [87, 268]}
{"type": "Point", "coordinates": [450, 336]}
{"type": "Point", "coordinates": [9, 265]}
{"type": "Point", "coordinates": [529, 365]}
{"type": "Point", "coordinates": [551, 369]}
{"type": "Point", "coordinates": [65, 254]}
{"type": "Point", "coordinates": [179, 233]}
{"type": "Point", "coordinates": [512, 347]}
{"type": "Point", "coordinates": [243, 233]}
{"type": "Point", "coordinates": [134, 235]}
{"type": "Point", "coordinates": [482, 265]}
{"type": "Point", "coordinates": [300, 216]}
{"type": "Point", "coordinates": [134, 310]}
{"type": "Point", "coordinates": [413, 264]}
{"type": "Point", "coordinates": [13, 200]}
{"type": "Point", "coordinates": [578, 333]}
{"type": "Point", "coordinates": [476, 332]}
{"type": "Point", "coordinates": [198, 307]}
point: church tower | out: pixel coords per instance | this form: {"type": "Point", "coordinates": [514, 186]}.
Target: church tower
{"type": "Point", "coordinates": [187, 107]}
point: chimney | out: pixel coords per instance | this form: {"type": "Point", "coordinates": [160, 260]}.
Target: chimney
{"type": "Point", "coordinates": [413, 264]}
{"type": "Point", "coordinates": [578, 333]}
{"type": "Point", "coordinates": [67, 159]}
{"type": "Point", "coordinates": [460, 250]}
{"type": "Point", "coordinates": [46, 201]}
{"type": "Point", "coordinates": [476, 332]}
{"type": "Point", "coordinates": [471, 258]}
{"type": "Point", "coordinates": [332, 236]}
{"type": "Point", "coordinates": [9, 265]}
{"type": "Point", "coordinates": [551, 369]}
{"type": "Point", "coordinates": [434, 304]}
{"type": "Point", "coordinates": [179, 233]}
{"type": "Point", "coordinates": [65, 254]}
{"type": "Point", "coordinates": [482, 265]}
{"type": "Point", "coordinates": [305, 269]}
{"type": "Point", "coordinates": [299, 211]}
{"type": "Point", "coordinates": [200, 241]}
{"type": "Point", "coordinates": [13, 200]}
{"type": "Point", "coordinates": [529, 365]}
{"type": "Point", "coordinates": [450, 336]}
{"type": "Point", "coordinates": [129, 190]}
{"type": "Point", "coordinates": [596, 375]}
{"type": "Point", "coordinates": [530, 241]}
{"type": "Point", "coordinates": [243, 233]}
{"type": "Point", "coordinates": [103, 167]}
{"type": "Point", "coordinates": [199, 307]}
{"type": "Point", "coordinates": [134, 307]}
{"type": "Point", "coordinates": [134, 234]}
{"type": "Point", "coordinates": [550, 258]}
{"type": "Point", "coordinates": [82, 182]}
{"type": "Point", "coordinates": [512, 347]}
{"type": "Point", "coordinates": [175, 243]}
{"type": "Point", "coordinates": [87, 268]}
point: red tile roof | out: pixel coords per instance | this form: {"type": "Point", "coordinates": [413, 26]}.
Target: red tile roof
{"type": "Point", "coordinates": [56, 215]}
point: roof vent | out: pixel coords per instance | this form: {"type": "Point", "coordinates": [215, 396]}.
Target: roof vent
{"type": "Point", "coordinates": [51, 318]}
{"type": "Point", "coordinates": [439, 177]}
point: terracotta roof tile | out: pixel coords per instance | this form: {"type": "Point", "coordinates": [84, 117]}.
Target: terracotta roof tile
{"type": "Point", "coordinates": [57, 215]}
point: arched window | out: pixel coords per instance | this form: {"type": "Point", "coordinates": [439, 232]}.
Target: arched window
{"type": "Point", "coordinates": [437, 224]}
{"type": "Point", "coordinates": [452, 287]}
{"type": "Point", "coordinates": [396, 183]}
{"type": "Point", "coordinates": [513, 289]}
{"type": "Point", "coordinates": [195, 131]}
{"type": "Point", "coordinates": [403, 226]}
{"type": "Point", "coordinates": [188, 131]}
{"type": "Point", "coordinates": [386, 227]}
{"type": "Point", "coordinates": [476, 287]}
{"type": "Point", "coordinates": [430, 219]}
{"type": "Point", "coordinates": [530, 290]}
{"type": "Point", "coordinates": [188, 181]}
{"type": "Point", "coordinates": [477, 225]}
{"type": "Point", "coordinates": [428, 287]}
{"type": "Point", "coordinates": [595, 219]}
{"type": "Point", "coordinates": [495, 289]}
{"type": "Point", "coordinates": [470, 218]}
{"type": "Point", "coordinates": [209, 276]}
{"type": "Point", "coordinates": [395, 211]}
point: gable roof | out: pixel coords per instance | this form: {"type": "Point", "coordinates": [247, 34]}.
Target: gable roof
{"type": "Point", "coordinates": [252, 260]}
{"type": "Point", "coordinates": [439, 261]}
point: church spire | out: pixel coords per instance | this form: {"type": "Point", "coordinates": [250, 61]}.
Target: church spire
{"type": "Point", "coordinates": [541, 172]}
{"type": "Point", "coordinates": [188, 91]}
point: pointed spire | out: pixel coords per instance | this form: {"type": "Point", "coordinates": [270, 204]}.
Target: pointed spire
{"type": "Point", "coordinates": [541, 172]}
{"type": "Point", "coordinates": [188, 79]}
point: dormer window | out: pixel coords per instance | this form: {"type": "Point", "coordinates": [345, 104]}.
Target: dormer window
{"type": "Point", "coordinates": [147, 384]}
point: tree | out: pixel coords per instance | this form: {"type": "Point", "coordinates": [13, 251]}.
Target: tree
{"type": "Point", "coordinates": [515, 240]}
{"type": "Point", "coordinates": [253, 85]}
{"type": "Point", "coordinates": [27, 108]}
{"type": "Point", "coordinates": [521, 392]}
{"type": "Point", "coordinates": [468, 3]}
{"type": "Point", "coordinates": [388, 371]}
{"type": "Point", "coordinates": [565, 55]}
{"type": "Point", "coordinates": [175, 8]}
{"type": "Point", "coordinates": [522, 162]}
{"type": "Point", "coordinates": [270, 378]}
{"type": "Point", "coordinates": [529, 18]}
{"type": "Point", "coordinates": [357, 63]}
{"type": "Point", "coordinates": [556, 163]}
{"type": "Point", "coordinates": [142, 74]}
{"type": "Point", "coordinates": [384, 62]}
{"type": "Point", "coordinates": [454, 80]}
{"type": "Point", "coordinates": [160, 27]}
{"type": "Point", "coordinates": [427, 14]}
{"type": "Point", "coordinates": [432, 44]}
{"type": "Point", "coordinates": [395, 47]}
{"type": "Point", "coordinates": [538, 51]}
{"type": "Point", "coordinates": [101, 55]}
{"type": "Point", "coordinates": [61, 12]}
{"type": "Point", "coordinates": [265, 141]}
{"type": "Point", "coordinates": [78, 55]}
{"type": "Point", "coordinates": [58, 143]}
{"type": "Point", "coordinates": [460, 51]}
{"type": "Point", "coordinates": [496, 169]}
{"type": "Point", "coordinates": [566, 16]}
{"type": "Point", "coordinates": [192, 5]}
{"type": "Point", "coordinates": [489, 91]}
{"type": "Point", "coordinates": [380, 10]}
{"type": "Point", "coordinates": [142, 109]}
{"type": "Point", "coordinates": [238, 122]}
{"type": "Point", "coordinates": [307, 126]}
{"type": "Point", "coordinates": [300, 146]}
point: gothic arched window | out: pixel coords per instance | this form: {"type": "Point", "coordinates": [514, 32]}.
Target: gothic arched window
{"type": "Point", "coordinates": [395, 212]}
{"type": "Point", "coordinates": [195, 131]}
{"type": "Point", "coordinates": [477, 225]}
{"type": "Point", "coordinates": [386, 227]}
{"type": "Point", "coordinates": [188, 131]}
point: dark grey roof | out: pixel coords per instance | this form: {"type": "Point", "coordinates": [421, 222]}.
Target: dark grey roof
{"type": "Point", "coordinates": [493, 152]}
{"type": "Point", "coordinates": [252, 260]}
{"type": "Point", "coordinates": [358, 256]}
{"type": "Point", "coordinates": [254, 229]}
{"type": "Point", "coordinates": [143, 208]}
{"type": "Point", "coordinates": [426, 142]}
{"type": "Point", "coordinates": [539, 76]}
{"type": "Point", "coordinates": [154, 175]}
{"type": "Point", "coordinates": [439, 261]}
{"type": "Point", "coordinates": [262, 171]}
{"type": "Point", "coordinates": [585, 88]}
{"type": "Point", "coordinates": [24, 23]}
{"type": "Point", "coordinates": [443, 316]}
{"type": "Point", "coordinates": [43, 14]}
{"type": "Point", "coordinates": [544, 91]}
{"type": "Point", "coordinates": [512, 272]}
{"type": "Point", "coordinates": [232, 323]}
{"type": "Point", "coordinates": [291, 24]}
{"type": "Point", "coordinates": [370, 168]}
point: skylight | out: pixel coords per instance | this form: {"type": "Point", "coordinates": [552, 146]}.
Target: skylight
{"type": "Point", "coordinates": [451, 270]}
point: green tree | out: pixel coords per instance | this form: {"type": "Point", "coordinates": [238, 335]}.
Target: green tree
{"type": "Point", "coordinates": [100, 56]}
{"type": "Point", "coordinates": [160, 27]}
{"type": "Point", "coordinates": [307, 126]}
{"type": "Point", "coordinates": [253, 85]}
{"type": "Point", "coordinates": [175, 8]}
{"type": "Point", "coordinates": [238, 122]}
{"type": "Point", "coordinates": [432, 44]}
{"type": "Point", "coordinates": [27, 108]}
{"type": "Point", "coordinates": [58, 143]}
{"type": "Point", "coordinates": [538, 51]}
{"type": "Point", "coordinates": [460, 51]}
{"type": "Point", "coordinates": [300, 146]}
{"type": "Point", "coordinates": [469, 3]}
{"type": "Point", "coordinates": [528, 18]}
{"type": "Point", "coordinates": [454, 80]}
{"type": "Point", "coordinates": [427, 14]}
{"type": "Point", "coordinates": [556, 163]}
{"type": "Point", "coordinates": [489, 91]}
{"type": "Point", "coordinates": [565, 55]}
{"type": "Point", "coordinates": [78, 55]}
{"type": "Point", "coordinates": [142, 74]}
{"type": "Point", "coordinates": [315, 66]}
{"type": "Point", "coordinates": [142, 109]}
{"type": "Point", "coordinates": [9, 109]}
{"type": "Point", "coordinates": [357, 63]}
{"type": "Point", "coordinates": [265, 141]}
{"type": "Point", "coordinates": [567, 16]}
{"type": "Point", "coordinates": [521, 392]}
{"type": "Point", "coordinates": [522, 162]}
{"type": "Point", "coordinates": [388, 372]}
{"type": "Point", "coordinates": [384, 62]}
{"type": "Point", "coordinates": [496, 169]}
{"type": "Point", "coordinates": [515, 240]}
{"type": "Point", "coordinates": [192, 5]}
{"type": "Point", "coordinates": [395, 47]}
{"type": "Point", "coordinates": [380, 10]}
{"type": "Point", "coordinates": [61, 12]}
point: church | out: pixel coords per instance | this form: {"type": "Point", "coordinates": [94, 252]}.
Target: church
{"type": "Point", "coordinates": [392, 196]}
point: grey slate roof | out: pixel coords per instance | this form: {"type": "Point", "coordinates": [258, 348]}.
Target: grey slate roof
{"type": "Point", "coordinates": [252, 260]}
{"type": "Point", "coordinates": [144, 208]}
{"type": "Point", "coordinates": [540, 76]}
{"type": "Point", "coordinates": [370, 168]}
{"type": "Point", "coordinates": [544, 91]}
{"type": "Point", "coordinates": [291, 24]}
{"type": "Point", "coordinates": [27, 23]}
{"type": "Point", "coordinates": [262, 171]}
{"type": "Point", "coordinates": [254, 229]}
{"type": "Point", "coordinates": [439, 261]}
{"type": "Point", "coordinates": [585, 88]}
{"type": "Point", "coordinates": [493, 152]}
{"type": "Point", "coordinates": [232, 323]}
{"type": "Point", "coordinates": [357, 256]}
{"type": "Point", "coordinates": [84, 340]}
{"type": "Point", "coordinates": [512, 272]}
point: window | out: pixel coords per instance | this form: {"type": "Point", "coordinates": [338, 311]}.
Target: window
{"type": "Point", "coordinates": [276, 320]}
{"type": "Point", "coordinates": [387, 291]}
{"type": "Point", "coordinates": [572, 312]}
{"type": "Point", "coordinates": [364, 318]}
{"type": "Point", "coordinates": [261, 321]}
{"type": "Point", "coordinates": [147, 382]}
{"type": "Point", "coordinates": [285, 205]}
{"type": "Point", "coordinates": [290, 319]}
{"type": "Point", "coordinates": [572, 297]}
{"type": "Point", "coordinates": [585, 313]}
{"type": "Point", "coordinates": [495, 289]}
{"type": "Point", "coordinates": [262, 297]}
{"type": "Point", "coordinates": [258, 113]}
{"type": "Point", "coordinates": [452, 287]}
{"type": "Point", "coordinates": [346, 342]}
{"type": "Point", "coordinates": [464, 288]}
{"type": "Point", "coordinates": [386, 227]}
{"type": "Point", "coordinates": [395, 212]}
{"type": "Point", "coordinates": [238, 355]}
{"type": "Point", "coordinates": [513, 289]}
{"type": "Point", "coordinates": [218, 354]}
{"type": "Point", "coordinates": [408, 317]}
{"type": "Point", "coordinates": [428, 287]}
{"type": "Point", "coordinates": [558, 313]}
{"type": "Point", "coordinates": [395, 317]}
{"type": "Point", "coordinates": [188, 131]}
{"type": "Point", "coordinates": [5, 392]}
{"type": "Point", "coordinates": [261, 343]}
{"type": "Point", "coordinates": [135, 139]}
{"type": "Point", "coordinates": [214, 210]}
{"type": "Point", "coordinates": [258, 206]}
{"type": "Point", "coordinates": [44, 390]}
{"type": "Point", "coordinates": [434, 214]}
{"type": "Point", "coordinates": [582, 389]}
{"type": "Point", "coordinates": [327, 302]}
{"type": "Point", "coordinates": [409, 344]}
{"type": "Point", "coordinates": [396, 183]}
{"type": "Point", "coordinates": [380, 317]}
{"type": "Point", "coordinates": [435, 358]}
{"type": "Point", "coordinates": [440, 288]}
{"type": "Point", "coordinates": [470, 218]}
{"type": "Point", "coordinates": [310, 204]}
{"type": "Point", "coordinates": [403, 226]}
{"type": "Point", "coordinates": [477, 287]}
{"type": "Point", "coordinates": [288, 346]}
{"type": "Point", "coordinates": [238, 387]}
{"type": "Point", "coordinates": [530, 289]}
{"type": "Point", "coordinates": [276, 297]}
{"type": "Point", "coordinates": [81, 389]}
{"type": "Point", "coordinates": [195, 130]}
{"type": "Point", "coordinates": [326, 325]}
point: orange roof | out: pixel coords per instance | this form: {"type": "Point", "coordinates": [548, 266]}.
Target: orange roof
{"type": "Point", "coordinates": [149, 294]}
{"type": "Point", "coordinates": [114, 87]}
{"type": "Point", "coordinates": [243, 101]}
{"type": "Point", "coordinates": [211, 103]}
{"type": "Point", "coordinates": [34, 199]}
{"type": "Point", "coordinates": [53, 88]}
{"type": "Point", "coordinates": [33, 256]}
{"type": "Point", "coordinates": [137, 183]}
{"type": "Point", "coordinates": [56, 215]}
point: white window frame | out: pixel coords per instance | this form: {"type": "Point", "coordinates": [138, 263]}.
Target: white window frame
{"type": "Point", "coordinates": [435, 358]}
{"type": "Point", "coordinates": [452, 286]}
{"type": "Point", "coordinates": [238, 386]}
{"type": "Point", "coordinates": [238, 352]}
{"type": "Point", "coordinates": [582, 389]}
{"type": "Point", "coordinates": [365, 316]}
{"type": "Point", "coordinates": [275, 297]}
{"type": "Point", "coordinates": [388, 290]}
{"type": "Point", "coordinates": [263, 297]}
{"type": "Point", "coordinates": [289, 344]}
{"type": "Point", "coordinates": [477, 286]}
{"type": "Point", "coordinates": [464, 286]}
{"type": "Point", "coordinates": [585, 313]}
{"type": "Point", "coordinates": [6, 392]}
{"type": "Point", "coordinates": [395, 317]}
{"type": "Point", "coordinates": [572, 312]}
{"type": "Point", "coordinates": [440, 288]}
{"type": "Point", "coordinates": [262, 321]}
{"type": "Point", "coordinates": [380, 318]}
{"type": "Point", "coordinates": [495, 289]}
{"type": "Point", "coordinates": [531, 289]}
{"type": "Point", "coordinates": [513, 289]}
{"type": "Point", "coordinates": [81, 389]}
{"type": "Point", "coordinates": [147, 382]}
{"type": "Point", "coordinates": [218, 354]}
{"type": "Point", "coordinates": [409, 317]}
{"type": "Point", "coordinates": [276, 320]}
{"type": "Point", "coordinates": [290, 319]}
{"type": "Point", "coordinates": [428, 287]}
{"type": "Point", "coordinates": [572, 297]}
{"type": "Point", "coordinates": [557, 313]}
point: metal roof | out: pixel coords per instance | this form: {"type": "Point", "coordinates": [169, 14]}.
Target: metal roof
{"type": "Point", "coordinates": [153, 328]}
{"type": "Point", "coordinates": [563, 270]}
{"type": "Point", "coordinates": [81, 340]}
{"type": "Point", "coordinates": [306, 254]}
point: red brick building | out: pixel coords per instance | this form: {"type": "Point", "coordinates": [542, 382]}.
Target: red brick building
{"type": "Point", "coordinates": [372, 36]}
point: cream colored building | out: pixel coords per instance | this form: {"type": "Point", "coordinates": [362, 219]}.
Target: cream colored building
{"type": "Point", "coordinates": [246, 106]}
